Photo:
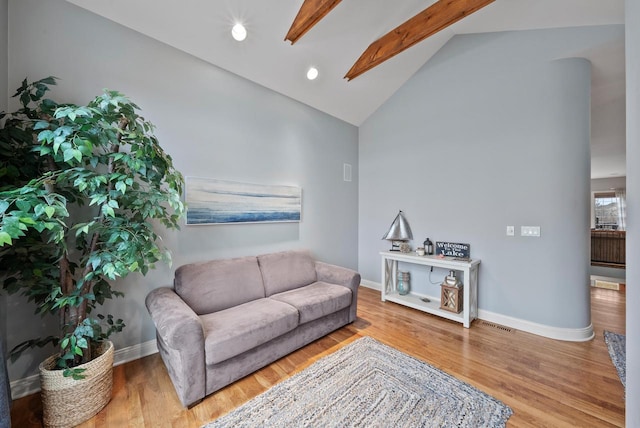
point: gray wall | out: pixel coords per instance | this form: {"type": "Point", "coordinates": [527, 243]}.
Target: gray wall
{"type": "Point", "coordinates": [492, 131]}
{"type": "Point", "coordinates": [632, 48]}
{"type": "Point", "coordinates": [214, 124]}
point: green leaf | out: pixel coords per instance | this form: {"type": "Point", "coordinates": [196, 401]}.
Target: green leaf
{"type": "Point", "coordinates": [108, 211]}
{"type": "Point", "coordinates": [68, 154]}
{"type": "Point", "coordinates": [23, 205]}
{"type": "Point", "coordinates": [57, 143]}
{"type": "Point", "coordinates": [51, 80]}
{"type": "Point", "coordinates": [121, 187]}
{"type": "Point", "coordinates": [27, 220]}
{"type": "Point", "coordinates": [41, 125]}
{"type": "Point", "coordinates": [50, 211]}
{"type": "Point", "coordinates": [82, 343]}
{"type": "Point", "coordinates": [5, 238]}
{"type": "Point", "coordinates": [85, 147]}
{"type": "Point", "coordinates": [45, 136]}
{"type": "Point", "coordinates": [25, 98]}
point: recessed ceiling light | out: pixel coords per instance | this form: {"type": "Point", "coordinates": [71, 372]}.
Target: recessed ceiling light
{"type": "Point", "coordinates": [312, 73]}
{"type": "Point", "coordinates": [239, 32]}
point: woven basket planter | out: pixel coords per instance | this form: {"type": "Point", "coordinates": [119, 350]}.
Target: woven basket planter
{"type": "Point", "coordinates": [67, 402]}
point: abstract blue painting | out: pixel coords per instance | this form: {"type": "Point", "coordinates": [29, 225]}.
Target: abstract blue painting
{"type": "Point", "coordinates": [211, 201]}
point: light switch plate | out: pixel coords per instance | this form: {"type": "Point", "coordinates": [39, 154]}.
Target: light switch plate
{"type": "Point", "coordinates": [511, 230]}
{"type": "Point", "coordinates": [346, 172]}
{"type": "Point", "coordinates": [533, 231]}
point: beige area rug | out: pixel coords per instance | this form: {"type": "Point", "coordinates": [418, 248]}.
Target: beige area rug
{"type": "Point", "coordinates": [368, 384]}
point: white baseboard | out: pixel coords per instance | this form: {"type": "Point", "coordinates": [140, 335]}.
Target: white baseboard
{"type": "Point", "coordinates": [559, 333]}
{"type": "Point", "coordinates": [370, 284]}
{"type": "Point", "coordinates": [25, 386]}
{"type": "Point", "coordinates": [31, 384]}
{"type": "Point", "coordinates": [135, 352]}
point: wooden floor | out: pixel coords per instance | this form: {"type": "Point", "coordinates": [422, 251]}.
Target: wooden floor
{"type": "Point", "coordinates": [547, 383]}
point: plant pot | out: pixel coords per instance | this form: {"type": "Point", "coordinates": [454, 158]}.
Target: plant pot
{"type": "Point", "coordinates": [67, 402]}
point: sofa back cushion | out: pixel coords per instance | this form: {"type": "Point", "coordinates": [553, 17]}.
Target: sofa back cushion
{"type": "Point", "coordinates": [286, 270]}
{"type": "Point", "coordinates": [219, 284]}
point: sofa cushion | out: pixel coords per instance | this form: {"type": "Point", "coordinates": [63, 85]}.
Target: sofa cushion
{"type": "Point", "coordinates": [230, 332]}
{"type": "Point", "coordinates": [219, 284]}
{"type": "Point", "coordinates": [286, 270]}
{"type": "Point", "coordinates": [316, 300]}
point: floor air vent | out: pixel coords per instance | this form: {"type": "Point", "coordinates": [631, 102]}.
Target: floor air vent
{"type": "Point", "coordinates": [496, 326]}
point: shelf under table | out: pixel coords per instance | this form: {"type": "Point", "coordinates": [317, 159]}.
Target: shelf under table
{"type": "Point", "coordinates": [431, 307]}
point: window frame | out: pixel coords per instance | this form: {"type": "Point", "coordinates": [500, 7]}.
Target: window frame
{"type": "Point", "coordinates": [597, 195]}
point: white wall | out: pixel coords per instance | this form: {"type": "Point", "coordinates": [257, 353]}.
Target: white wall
{"type": "Point", "coordinates": [632, 48]}
{"type": "Point", "coordinates": [606, 184]}
{"type": "Point", "coordinates": [608, 136]}
{"type": "Point", "coordinates": [214, 124]}
{"type": "Point", "coordinates": [492, 131]}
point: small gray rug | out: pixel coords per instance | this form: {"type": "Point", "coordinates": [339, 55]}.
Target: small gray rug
{"type": "Point", "coordinates": [618, 351]}
{"type": "Point", "coordinates": [368, 384]}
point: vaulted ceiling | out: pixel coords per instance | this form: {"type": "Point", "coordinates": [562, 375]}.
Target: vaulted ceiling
{"type": "Point", "coordinates": [336, 41]}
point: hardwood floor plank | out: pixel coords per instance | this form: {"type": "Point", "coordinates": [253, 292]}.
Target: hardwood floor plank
{"type": "Point", "coordinates": [546, 382]}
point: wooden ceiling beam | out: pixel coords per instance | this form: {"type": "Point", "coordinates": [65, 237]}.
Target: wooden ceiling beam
{"type": "Point", "coordinates": [310, 13]}
{"type": "Point", "coordinates": [436, 17]}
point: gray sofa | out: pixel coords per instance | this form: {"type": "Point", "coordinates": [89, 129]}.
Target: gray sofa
{"type": "Point", "coordinates": [224, 319]}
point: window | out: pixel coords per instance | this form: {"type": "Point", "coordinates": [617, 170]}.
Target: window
{"type": "Point", "coordinates": [609, 210]}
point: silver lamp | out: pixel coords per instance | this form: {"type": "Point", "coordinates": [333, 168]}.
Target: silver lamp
{"type": "Point", "coordinates": [399, 232]}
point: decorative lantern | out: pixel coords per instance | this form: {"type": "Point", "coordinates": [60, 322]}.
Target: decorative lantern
{"type": "Point", "coordinates": [428, 247]}
{"type": "Point", "coordinates": [451, 294]}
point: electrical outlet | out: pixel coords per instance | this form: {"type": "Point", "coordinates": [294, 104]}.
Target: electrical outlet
{"type": "Point", "coordinates": [511, 230]}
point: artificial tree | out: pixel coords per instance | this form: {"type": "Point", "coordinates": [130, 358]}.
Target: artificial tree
{"type": "Point", "coordinates": [81, 190]}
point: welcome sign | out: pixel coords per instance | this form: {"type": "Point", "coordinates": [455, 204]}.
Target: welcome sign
{"type": "Point", "coordinates": [452, 249]}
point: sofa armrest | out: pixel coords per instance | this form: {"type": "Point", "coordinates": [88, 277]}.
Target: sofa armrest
{"type": "Point", "coordinates": [342, 276]}
{"type": "Point", "coordinates": [175, 321]}
{"type": "Point", "coordinates": [180, 342]}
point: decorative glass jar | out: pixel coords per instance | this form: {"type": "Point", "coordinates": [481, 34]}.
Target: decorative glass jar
{"type": "Point", "coordinates": [404, 282]}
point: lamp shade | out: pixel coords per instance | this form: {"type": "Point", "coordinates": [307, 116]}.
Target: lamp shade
{"type": "Point", "coordinates": [399, 230]}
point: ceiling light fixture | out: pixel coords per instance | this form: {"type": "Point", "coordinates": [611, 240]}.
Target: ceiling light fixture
{"type": "Point", "coordinates": [312, 73]}
{"type": "Point", "coordinates": [239, 32]}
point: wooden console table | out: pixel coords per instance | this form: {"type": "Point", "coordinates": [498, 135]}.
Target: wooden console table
{"type": "Point", "coordinates": [470, 283]}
